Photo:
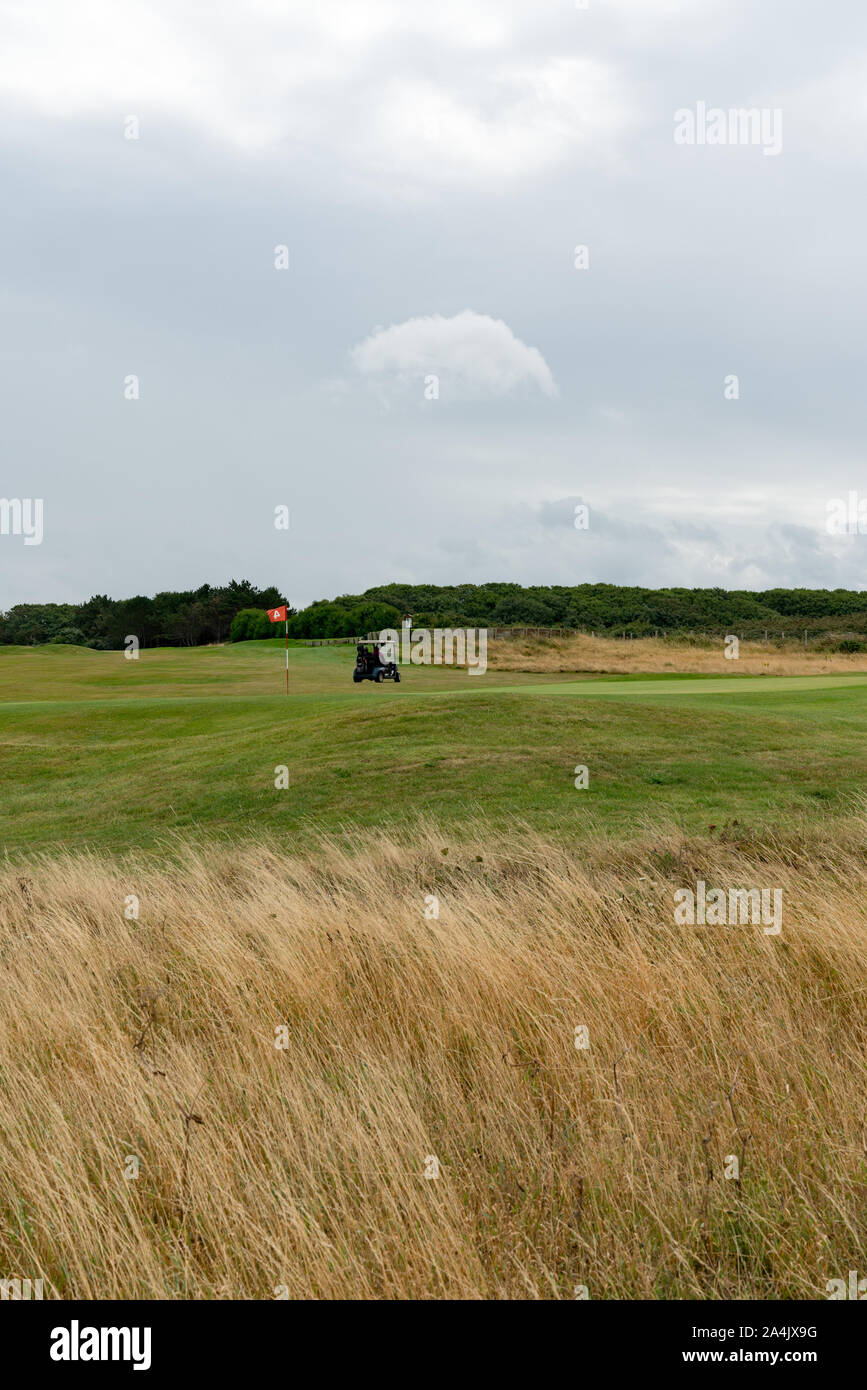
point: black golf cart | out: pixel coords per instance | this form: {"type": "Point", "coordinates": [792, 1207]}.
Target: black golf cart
{"type": "Point", "coordinates": [371, 665]}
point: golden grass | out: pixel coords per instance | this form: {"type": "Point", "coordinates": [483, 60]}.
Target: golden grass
{"type": "Point", "coordinates": [455, 1038]}
{"type": "Point", "coordinates": [650, 654]}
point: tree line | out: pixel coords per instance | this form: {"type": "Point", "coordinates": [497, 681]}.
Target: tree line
{"type": "Point", "coordinates": [237, 612]}
{"type": "Point", "coordinates": [602, 608]}
{"type": "Point", "coordinates": [184, 618]}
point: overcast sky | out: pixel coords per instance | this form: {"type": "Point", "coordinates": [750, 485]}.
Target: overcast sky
{"type": "Point", "coordinates": [431, 169]}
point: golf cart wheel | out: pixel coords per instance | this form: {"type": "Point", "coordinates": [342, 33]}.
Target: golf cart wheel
{"type": "Point", "coordinates": [378, 677]}
{"type": "Point", "coordinates": [356, 676]}
{"type": "Point", "coordinates": [396, 677]}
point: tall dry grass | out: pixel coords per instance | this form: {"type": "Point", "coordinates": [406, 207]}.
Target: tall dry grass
{"type": "Point", "coordinates": [455, 1038]}
{"type": "Point", "coordinates": [659, 655]}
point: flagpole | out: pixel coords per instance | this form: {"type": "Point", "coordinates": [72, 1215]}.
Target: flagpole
{"type": "Point", "coordinates": [287, 653]}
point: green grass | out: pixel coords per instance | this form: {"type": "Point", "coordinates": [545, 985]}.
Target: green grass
{"type": "Point", "coordinates": [97, 750]}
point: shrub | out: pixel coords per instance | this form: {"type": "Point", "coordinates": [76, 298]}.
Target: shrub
{"type": "Point", "coordinates": [250, 625]}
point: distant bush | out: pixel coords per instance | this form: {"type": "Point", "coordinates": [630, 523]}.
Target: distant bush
{"type": "Point", "coordinates": [343, 619]}
{"type": "Point", "coordinates": [251, 624]}
{"type": "Point", "coordinates": [851, 644]}
{"type": "Point", "coordinates": [372, 617]}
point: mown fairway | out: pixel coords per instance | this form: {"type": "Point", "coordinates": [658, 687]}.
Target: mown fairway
{"type": "Point", "coordinates": [100, 751]}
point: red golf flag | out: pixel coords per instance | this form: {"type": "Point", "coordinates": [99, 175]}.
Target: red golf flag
{"type": "Point", "coordinates": [277, 615]}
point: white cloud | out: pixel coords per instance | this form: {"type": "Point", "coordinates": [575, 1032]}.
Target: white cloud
{"type": "Point", "coordinates": [380, 90]}
{"type": "Point", "coordinates": [696, 11]}
{"type": "Point", "coordinates": [475, 357]}
{"type": "Point", "coordinates": [516, 120]}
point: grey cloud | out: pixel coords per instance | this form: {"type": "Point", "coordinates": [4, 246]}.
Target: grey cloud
{"type": "Point", "coordinates": [399, 170]}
